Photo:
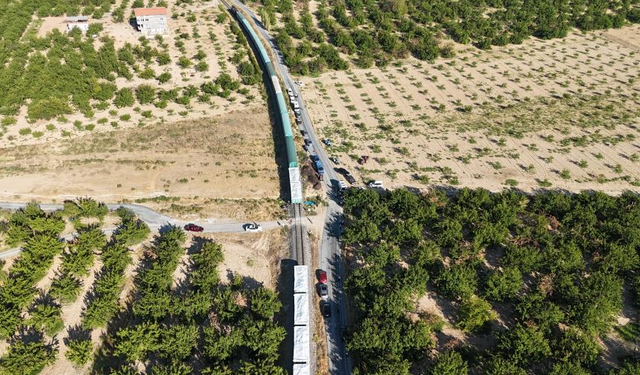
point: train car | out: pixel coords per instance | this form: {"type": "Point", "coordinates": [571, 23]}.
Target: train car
{"type": "Point", "coordinates": [283, 113]}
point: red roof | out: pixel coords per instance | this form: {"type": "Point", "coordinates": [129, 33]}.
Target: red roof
{"type": "Point", "coordinates": [150, 12]}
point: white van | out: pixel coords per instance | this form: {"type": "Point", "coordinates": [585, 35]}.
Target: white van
{"type": "Point", "coordinates": [376, 185]}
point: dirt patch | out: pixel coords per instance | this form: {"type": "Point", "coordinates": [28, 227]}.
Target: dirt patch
{"type": "Point", "coordinates": [254, 256]}
{"type": "Point", "coordinates": [187, 163]}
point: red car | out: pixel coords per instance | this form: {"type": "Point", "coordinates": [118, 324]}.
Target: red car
{"type": "Point", "coordinates": [193, 228]}
{"type": "Point", "coordinates": [322, 276]}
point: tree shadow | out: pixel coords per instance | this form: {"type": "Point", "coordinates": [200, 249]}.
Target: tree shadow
{"type": "Point", "coordinates": [77, 333]}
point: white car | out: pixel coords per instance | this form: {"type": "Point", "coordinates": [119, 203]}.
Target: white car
{"type": "Point", "coordinates": [252, 228]}
{"type": "Point", "coordinates": [376, 185]}
{"type": "Point", "coordinates": [343, 185]}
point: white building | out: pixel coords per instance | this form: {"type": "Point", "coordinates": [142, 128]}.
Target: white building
{"type": "Point", "coordinates": [151, 20]}
{"type": "Point", "coordinates": [80, 22]}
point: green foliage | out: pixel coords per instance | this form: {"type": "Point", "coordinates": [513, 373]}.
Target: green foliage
{"type": "Point", "coordinates": [47, 317]}
{"type": "Point", "coordinates": [204, 275]}
{"type": "Point", "coordinates": [504, 284]}
{"type": "Point", "coordinates": [382, 30]}
{"type": "Point", "coordinates": [145, 94]}
{"type": "Point", "coordinates": [124, 98]}
{"type": "Point", "coordinates": [264, 303]}
{"type": "Point", "coordinates": [577, 347]}
{"type": "Point", "coordinates": [131, 230]}
{"type": "Point", "coordinates": [134, 342]}
{"type": "Point", "coordinates": [154, 282]}
{"type": "Point", "coordinates": [79, 351]}
{"type": "Point", "coordinates": [65, 288]}
{"type": "Point", "coordinates": [524, 345]}
{"type": "Point", "coordinates": [18, 292]}
{"type": "Point", "coordinates": [177, 342]}
{"type": "Point", "coordinates": [27, 358]}
{"type": "Point", "coordinates": [629, 368]}
{"type": "Point", "coordinates": [449, 363]}
{"type": "Point", "coordinates": [576, 253]}
{"type": "Point", "coordinates": [457, 281]}
{"type": "Point", "coordinates": [31, 220]}
{"type": "Point", "coordinates": [115, 258]}
{"type": "Point", "coordinates": [474, 313]}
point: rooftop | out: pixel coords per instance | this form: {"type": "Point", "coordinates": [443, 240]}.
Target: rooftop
{"type": "Point", "coordinates": [77, 19]}
{"type": "Point", "coordinates": [150, 12]}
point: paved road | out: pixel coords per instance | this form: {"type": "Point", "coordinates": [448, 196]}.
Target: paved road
{"type": "Point", "coordinates": [330, 254]}
{"type": "Point", "coordinates": [154, 220]}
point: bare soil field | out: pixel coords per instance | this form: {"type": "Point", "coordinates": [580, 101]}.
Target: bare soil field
{"type": "Point", "coordinates": [544, 114]}
{"type": "Point", "coordinates": [219, 166]}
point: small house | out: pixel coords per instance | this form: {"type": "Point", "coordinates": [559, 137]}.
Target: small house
{"type": "Point", "coordinates": [151, 20]}
{"type": "Point", "coordinates": [80, 22]}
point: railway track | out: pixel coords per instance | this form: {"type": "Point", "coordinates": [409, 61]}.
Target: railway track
{"type": "Point", "coordinates": [297, 243]}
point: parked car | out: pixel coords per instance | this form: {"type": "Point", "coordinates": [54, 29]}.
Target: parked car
{"type": "Point", "coordinates": [350, 178]}
{"type": "Point", "coordinates": [193, 228]}
{"type": "Point", "coordinates": [314, 158]}
{"type": "Point", "coordinates": [252, 227]}
{"type": "Point", "coordinates": [327, 142]}
{"type": "Point", "coordinates": [322, 276]}
{"type": "Point", "coordinates": [335, 160]}
{"type": "Point", "coordinates": [323, 290]}
{"type": "Point", "coordinates": [342, 184]}
{"type": "Point", "coordinates": [303, 132]}
{"type": "Point", "coordinates": [326, 310]}
{"type": "Point", "coordinates": [376, 185]}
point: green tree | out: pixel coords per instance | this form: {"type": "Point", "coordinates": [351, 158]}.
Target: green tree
{"type": "Point", "coordinates": [504, 284]}
{"type": "Point", "coordinates": [457, 281]}
{"type": "Point", "coordinates": [265, 303]}
{"type": "Point", "coordinates": [524, 345]}
{"type": "Point", "coordinates": [449, 363]}
{"type": "Point", "coordinates": [79, 351]}
{"type": "Point", "coordinates": [474, 313]}
{"type": "Point", "coordinates": [47, 317]}
{"type": "Point", "coordinates": [177, 342]}
{"type": "Point", "coordinates": [134, 342]}
{"type": "Point", "coordinates": [27, 358]}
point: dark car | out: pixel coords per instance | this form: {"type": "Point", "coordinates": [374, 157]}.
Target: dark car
{"type": "Point", "coordinates": [193, 228]}
{"type": "Point", "coordinates": [322, 276]}
{"type": "Point", "coordinates": [326, 310]}
{"type": "Point", "coordinates": [323, 291]}
{"type": "Point", "coordinates": [350, 178]}
{"type": "Point", "coordinates": [341, 170]}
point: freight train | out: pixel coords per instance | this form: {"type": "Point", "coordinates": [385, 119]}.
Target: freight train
{"type": "Point", "coordinates": [295, 186]}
